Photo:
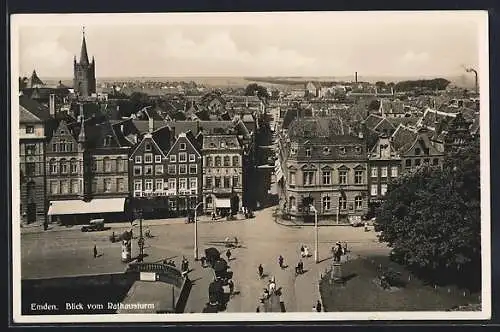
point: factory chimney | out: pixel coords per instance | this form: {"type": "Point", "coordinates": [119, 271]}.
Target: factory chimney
{"type": "Point", "coordinates": [356, 77]}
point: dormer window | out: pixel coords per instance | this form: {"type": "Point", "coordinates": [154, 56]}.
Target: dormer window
{"type": "Point", "coordinates": [212, 145]}
{"type": "Point", "coordinates": [182, 146]}
{"type": "Point", "coordinates": [326, 150]}
{"type": "Point", "coordinates": [358, 149]}
{"type": "Point", "coordinates": [222, 145]}
{"type": "Point", "coordinates": [308, 152]}
{"type": "Point", "coordinates": [342, 150]}
{"type": "Point", "coordinates": [417, 151]}
{"type": "Point", "coordinates": [147, 147]}
{"type": "Point", "coordinates": [107, 140]}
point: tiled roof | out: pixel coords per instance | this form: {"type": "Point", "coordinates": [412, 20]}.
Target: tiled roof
{"type": "Point", "coordinates": [230, 142]}
{"type": "Point", "coordinates": [335, 147]}
{"type": "Point", "coordinates": [34, 107]}
{"type": "Point", "coordinates": [431, 117]}
{"type": "Point", "coordinates": [403, 137]}
{"type": "Point", "coordinates": [318, 127]}
{"type": "Point", "coordinates": [407, 121]}
{"type": "Point", "coordinates": [372, 120]}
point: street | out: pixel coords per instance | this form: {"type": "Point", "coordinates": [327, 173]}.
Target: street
{"type": "Point", "coordinates": [69, 252]}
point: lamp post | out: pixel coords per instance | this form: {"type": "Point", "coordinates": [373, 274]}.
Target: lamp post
{"type": "Point", "coordinates": [196, 231]}
{"type": "Point", "coordinates": [141, 238]}
{"type": "Point", "coordinates": [316, 253]}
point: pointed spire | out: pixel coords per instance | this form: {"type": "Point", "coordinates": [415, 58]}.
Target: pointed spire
{"type": "Point", "coordinates": [84, 57]}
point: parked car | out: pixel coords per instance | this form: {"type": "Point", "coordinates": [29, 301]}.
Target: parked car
{"type": "Point", "coordinates": [94, 225]}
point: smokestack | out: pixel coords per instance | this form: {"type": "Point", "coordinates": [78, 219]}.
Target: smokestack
{"type": "Point", "coordinates": [356, 77]}
{"type": "Point", "coordinates": [52, 105]}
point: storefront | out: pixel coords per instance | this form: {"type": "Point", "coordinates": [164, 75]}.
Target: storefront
{"type": "Point", "coordinates": [81, 212]}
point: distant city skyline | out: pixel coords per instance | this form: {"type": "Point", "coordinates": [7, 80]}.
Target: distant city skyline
{"type": "Point", "coordinates": [327, 44]}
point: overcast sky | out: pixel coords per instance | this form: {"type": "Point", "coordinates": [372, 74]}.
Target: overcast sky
{"type": "Point", "coordinates": [271, 44]}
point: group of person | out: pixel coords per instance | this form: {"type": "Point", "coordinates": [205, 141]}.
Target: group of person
{"type": "Point", "coordinates": [338, 250]}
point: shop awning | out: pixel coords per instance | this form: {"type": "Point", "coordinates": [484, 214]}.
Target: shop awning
{"type": "Point", "coordinates": [223, 202]}
{"type": "Point", "coordinates": [103, 205]}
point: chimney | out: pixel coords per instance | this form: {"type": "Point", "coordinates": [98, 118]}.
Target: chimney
{"type": "Point", "coordinates": [52, 105]}
{"type": "Point", "coordinates": [151, 124]}
{"type": "Point", "coordinates": [356, 77]}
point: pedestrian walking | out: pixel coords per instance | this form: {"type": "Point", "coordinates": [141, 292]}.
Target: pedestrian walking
{"type": "Point", "coordinates": [318, 306]}
{"type": "Point", "coordinates": [344, 249]}
{"type": "Point", "coordinates": [261, 271]}
{"type": "Point", "coordinates": [280, 261]}
{"type": "Point", "coordinates": [235, 241]}
{"type": "Point", "coordinates": [213, 216]}
{"type": "Point", "coordinates": [272, 286]}
{"type": "Point", "coordinates": [228, 255]}
{"type": "Point", "coordinates": [231, 286]}
{"type": "Point", "coordinates": [306, 251]}
{"type": "Point", "coordinates": [301, 266]}
{"type": "Point", "coordinates": [257, 310]}
{"type": "Point", "coordinates": [302, 251]}
{"type": "Point", "coordinates": [95, 251]}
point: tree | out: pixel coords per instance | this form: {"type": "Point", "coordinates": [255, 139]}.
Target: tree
{"type": "Point", "coordinates": [139, 100]}
{"type": "Point", "coordinates": [380, 84]}
{"type": "Point", "coordinates": [254, 89]}
{"type": "Point", "coordinates": [374, 105]}
{"type": "Point", "coordinates": [431, 219]}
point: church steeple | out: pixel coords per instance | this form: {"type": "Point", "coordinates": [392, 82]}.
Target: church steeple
{"type": "Point", "coordinates": [84, 57]}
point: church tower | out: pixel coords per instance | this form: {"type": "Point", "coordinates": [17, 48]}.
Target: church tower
{"type": "Point", "coordinates": [84, 72]}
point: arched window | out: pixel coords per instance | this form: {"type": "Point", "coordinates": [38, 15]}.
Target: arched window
{"type": "Point", "coordinates": [208, 161]}
{"type": "Point", "coordinates": [107, 164]}
{"type": "Point", "coordinates": [119, 164]}
{"type": "Point", "coordinates": [236, 161]}
{"type": "Point", "coordinates": [358, 202]}
{"type": "Point", "coordinates": [342, 203]}
{"type": "Point", "coordinates": [74, 166]}
{"type": "Point", "coordinates": [226, 161]}
{"type": "Point", "coordinates": [53, 166]}
{"type": "Point", "coordinates": [63, 166]}
{"type": "Point", "coordinates": [62, 145]}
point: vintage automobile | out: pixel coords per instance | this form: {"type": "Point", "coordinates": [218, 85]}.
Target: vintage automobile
{"type": "Point", "coordinates": [94, 225]}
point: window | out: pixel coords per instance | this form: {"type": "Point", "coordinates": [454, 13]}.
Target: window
{"type": "Point", "coordinates": [292, 178]}
{"type": "Point", "coordinates": [107, 140]}
{"type": "Point", "coordinates": [137, 170]}
{"type": "Point", "coordinates": [70, 147]}
{"type": "Point", "coordinates": [94, 165]}
{"type": "Point", "coordinates": [159, 184]}
{"type": "Point", "coordinates": [64, 187]}
{"type": "Point", "coordinates": [62, 146]}
{"type": "Point", "coordinates": [138, 159]}
{"type": "Point", "coordinates": [226, 161]}
{"type": "Point", "coordinates": [236, 181]}
{"type": "Point", "coordinates": [236, 161]}
{"type": "Point", "coordinates": [120, 185]}
{"type": "Point", "coordinates": [374, 172]}
{"type": "Point", "coordinates": [342, 176]}
{"type": "Point", "coordinates": [54, 187]}
{"type": "Point", "coordinates": [147, 146]}
{"type": "Point", "coordinates": [383, 170]}
{"type": "Point", "coordinates": [148, 158]}
{"type": "Point", "coordinates": [173, 158]}
{"type": "Point", "coordinates": [94, 185]}
{"type": "Point", "coordinates": [172, 184]}
{"type": "Point", "coordinates": [30, 130]}
{"type": "Point", "coordinates": [182, 146]}
{"type": "Point", "coordinates": [148, 185]}
{"type": "Point", "coordinates": [107, 185]}
{"type": "Point", "coordinates": [208, 201]}
{"type": "Point", "coordinates": [327, 177]}
{"type": "Point", "coordinates": [394, 171]}
{"type": "Point", "coordinates": [218, 161]}
{"type": "Point", "coordinates": [374, 190]}
{"type": "Point", "coordinates": [293, 203]}
{"type": "Point", "coordinates": [326, 202]}
{"type": "Point", "coordinates": [107, 165]}
{"type": "Point", "coordinates": [217, 182]}
{"type": "Point", "coordinates": [159, 169]}
{"type": "Point", "coordinates": [30, 169]}
{"type": "Point", "coordinates": [157, 158]}
{"type": "Point", "coordinates": [358, 177]}
{"type": "Point", "coordinates": [193, 169]}
{"type": "Point", "coordinates": [182, 169]}
{"type": "Point", "coordinates": [417, 152]}
{"type": "Point", "coordinates": [358, 149]}
{"type": "Point", "coordinates": [148, 170]}
{"type": "Point", "coordinates": [182, 184]}
{"type": "Point", "coordinates": [293, 151]}
{"type": "Point", "coordinates": [182, 157]}
{"type": "Point", "coordinates": [54, 147]}
{"type": "Point", "coordinates": [383, 189]}
{"type": "Point", "coordinates": [208, 182]}
{"type": "Point", "coordinates": [342, 150]}
{"type": "Point", "coordinates": [53, 166]}
{"type": "Point", "coordinates": [208, 161]}
{"type": "Point", "coordinates": [73, 166]}
{"type": "Point", "coordinates": [308, 152]}
{"type": "Point", "coordinates": [171, 169]}
{"type": "Point", "coordinates": [172, 204]}
{"type": "Point", "coordinates": [342, 203]}
{"type": "Point", "coordinates": [223, 145]}
{"type": "Point", "coordinates": [417, 162]}
{"type": "Point", "coordinates": [426, 161]}
{"type": "Point", "coordinates": [435, 161]}
{"type": "Point", "coordinates": [137, 186]}
{"type": "Point", "coordinates": [192, 158]}
{"type": "Point", "coordinates": [358, 202]}
{"type": "Point", "coordinates": [408, 163]}
{"type": "Point", "coordinates": [326, 150]}
{"type": "Point", "coordinates": [193, 183]}
{"type": "Point", "coordinates": [308, 178]}
{"type": "Point", "coordinates": [75, 187]}
{"type": "Point", "coordinates": [120, 164]}
{"type": "Point", "coordinates": [63, 166]}
{"type": "Point", "coordinates": [226, 182]}
{"type": "Point", "coordinates": [30, 149]}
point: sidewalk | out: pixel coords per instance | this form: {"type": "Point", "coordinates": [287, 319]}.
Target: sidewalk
{"type": "Point", "coordinates": [307, 285]}
{"type": "Point", "coordinates": [300, 223]}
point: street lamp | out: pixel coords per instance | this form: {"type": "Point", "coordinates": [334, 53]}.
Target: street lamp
{"type": "Point", "coordinates": [316, 253]}
{"type": "Point", "coordinates": [196, 231]}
